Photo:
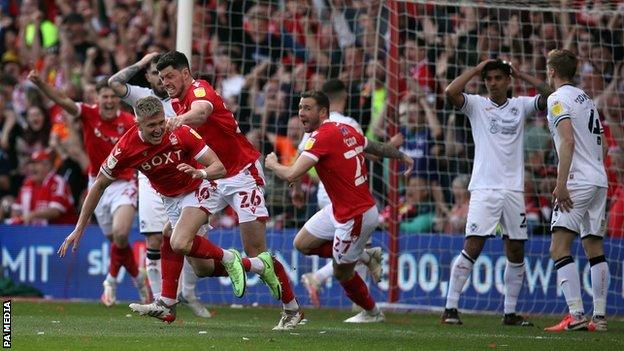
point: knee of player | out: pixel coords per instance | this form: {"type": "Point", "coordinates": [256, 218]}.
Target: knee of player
{"type": "Point", "coordinates": [120, 239]}
{"type": "Point", "coordinates": [342, 273]}
{"type": "Point", "coordinates": [180, 246]}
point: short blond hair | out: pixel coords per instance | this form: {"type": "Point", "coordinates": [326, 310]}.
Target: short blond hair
{"type": "Point", "coordinates": [148, 106]}
{"type": "Point", "coordinates": [564, 62]}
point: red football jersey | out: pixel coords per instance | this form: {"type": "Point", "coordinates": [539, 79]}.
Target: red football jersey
{"type": "Point", "coordinates": [158, 162]}
{"type": "Point", "coordinates": [99, 136]}
{"type": "Point", "coordinates": [339, 150]}
{"type": "Point", "coordinates": [52, 192]}
{"type": "Point", "coordinates": [221, 130]}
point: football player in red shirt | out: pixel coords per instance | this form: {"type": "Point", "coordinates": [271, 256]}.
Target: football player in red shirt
{"type": "Point", "coordinates": [198, 105]}
{"type": "Point", "coordinates": [102, 126]}
{"type": "Point", "coordinates": [339, 230]}
{"type": "Point", "coordinates": [45, 197]}
{"type": "Point", "coordinates": [169, 161]}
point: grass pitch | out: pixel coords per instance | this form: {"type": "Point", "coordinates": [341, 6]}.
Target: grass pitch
{"type": "Point", "coordinates": [89, 326]}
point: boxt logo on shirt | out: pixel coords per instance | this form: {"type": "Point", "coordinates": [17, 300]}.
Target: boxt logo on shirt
{"type": "Point", "coordinates": [162, 159]}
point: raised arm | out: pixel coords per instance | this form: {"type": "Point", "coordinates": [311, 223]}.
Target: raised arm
{"type": "Point", "coordinates": [289, 173]}
{"type": "Point", "coordinates": [542, 88]}
{"type": "Point", "coordinates": [454, 91]}
{"type": "Point", "coordinates": [119, 80]}
{"type": "Point", "coordinates": [214, 168]}
{"type": "Point", "coordinates": [197, 115]}
{"type": "Point", "coordinates": [93, 197]}
{"type": "Point", "coordinates": [66, 103]}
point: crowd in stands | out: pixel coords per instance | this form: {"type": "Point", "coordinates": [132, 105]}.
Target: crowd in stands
{"type": "Point", "coordinates": [260, 55]}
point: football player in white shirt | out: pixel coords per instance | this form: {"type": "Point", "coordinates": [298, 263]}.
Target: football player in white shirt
{"type": "Point", "coordinates": [152, 216]}
{"type": "Point", "coordinates": [336, 91]}
{"type": "Point", "coordinates": [580, 194]}
{"type": "Point", "coordinates": [497, 184]}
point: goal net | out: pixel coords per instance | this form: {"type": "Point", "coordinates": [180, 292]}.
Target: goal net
{"type": "Point", "coordinates": [395, 59]}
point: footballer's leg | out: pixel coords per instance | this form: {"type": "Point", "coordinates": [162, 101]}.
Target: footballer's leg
{"type": "Point", "coordinates": [185, 241]}
{"type": "Point", "coordinates": [568, 279]}
{"type": "Point", "coordinates": [153, 242]}
{"type": "Point", "coordinates": [188, 284]}
{"type": "Point", "coordinates": [460, 271]}
{"type": "Point", "coordinates": [600, 279]}
{"type": "Point", "coordinates": [513, 278]}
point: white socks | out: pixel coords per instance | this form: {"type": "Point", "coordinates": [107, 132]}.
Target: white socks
{"type": "Point", "coordinates": [513, 278]}
{"type": "Point", "coordinates": [154, 276]}
{"type": "Point", "coordinates": [462, 267]}
{"type": "Point", "coordinates": [257, 266]}
{"type": "Point", "coordinates": [322, 274]}
{"type": "Point", "coordinates": [600, 279]}
{"type": "Point", "coordinates": [227, 256]}
{"type": "Point", "coordinates": [188, 281]}
{"type": "Point", "coordinates": [568, 279]}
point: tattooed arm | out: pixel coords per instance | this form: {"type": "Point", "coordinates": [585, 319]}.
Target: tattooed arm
{"type": "Point", "coordinates": [119, 80]}
{"type": "Point", "coordinates": [389, 151]}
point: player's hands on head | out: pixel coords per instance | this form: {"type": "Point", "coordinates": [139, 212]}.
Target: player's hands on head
{"type": "Point", "coordinates": [190, 170]}
{"type": "Point", "coordinates": [173, 123]}
{"type": "Point", "coordinates": [73, 238]}
{"type": "Point", "coordinates": [271, 160]}
{"type": "Point", "coordinates": [409, 165]}
{"type": "Point", "coordinates": [561, 196]}
{"type": "Point", "coordinates": [482, 64]}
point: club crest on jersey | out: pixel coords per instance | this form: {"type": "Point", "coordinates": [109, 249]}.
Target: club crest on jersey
{"type": "Point", "coordinates": [173, 139]}
{"type": "Point", "coordinates": [195, 134]}
{"type": "Point", "coordinates": [514, 111]}
{"type": "Point", "coordinates": [111, 162]}
{"type": "Point", "coordinates": [344, 131]}
{"type": "Point", "coordinates": [121, 128]}
{"type": "Point", "coordinates": [556, 108]}
{"type": "Point", "coordinates": [309, 143]}
{"type": "Point", "coordinates": [199, 92]}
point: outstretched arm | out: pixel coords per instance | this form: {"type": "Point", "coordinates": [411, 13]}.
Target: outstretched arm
{"type": "Point", "coordinates": [197, 115]}
{"type": "Point", "coordinates": [66, 103]}
{"type": "Point", "coordinates": [389, 151]}
{"type": "Point", "coordinates": [93, 197]}
{"type": "Point", "coordinates": [214, 168]}
{"type": "Point", "coordinates": [119, 80]}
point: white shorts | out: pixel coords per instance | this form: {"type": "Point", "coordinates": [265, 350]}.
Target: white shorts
{"type": "Point", "coordinates": [244, 192]}
{"type": "Point", "coordinates": [152, 215]}
{"type": "Point", "coordinates": [349, 238]}
{"type": "Point", "coordinates": [489, 207]}
{"type": "Point", "coordinates": [119, 193]}
{"type": "Point", "coordinates": [198, 198]}
{"type": "Point", "coordinates": [587, 217]}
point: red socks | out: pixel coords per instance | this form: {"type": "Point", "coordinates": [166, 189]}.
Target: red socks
{"type": "Point", "coordinates": [287, 292]}
{"type": "Point", "coordinates": [358, 292]}
{"type": "Point", "coordinates": [171, 266]}
{"type": "Point", "coordinates": [204, 248]}
{"type": "Point", "coordinates": [324, 250]}
{"type": "Point", "coordinates": [122, 257]}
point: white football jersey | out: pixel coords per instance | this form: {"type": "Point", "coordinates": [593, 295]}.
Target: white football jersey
{"type": "Point", "coordinates": [570, 102]}
{"type": "Point", "coordinates": [321, 194]}
{"type": "Point", "coordinates": [134, 93]}
{"type": "Point", "coordinates": [498, 136]}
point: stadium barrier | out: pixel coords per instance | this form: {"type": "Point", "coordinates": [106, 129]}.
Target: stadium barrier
{"type": "Point", "coordinates": [29, 256]}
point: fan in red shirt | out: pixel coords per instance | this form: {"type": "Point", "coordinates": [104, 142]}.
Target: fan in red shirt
{"type": "Point", "coordinates": [167, 159]}
{"type": "Point", "coordinates": [198, 105]}
{"type": "Point", "coordinates": [45, 197]}
{"type": "Point", "coordinates": [342, 229]}
{"type": "Point", "coordinates": [102, 126]}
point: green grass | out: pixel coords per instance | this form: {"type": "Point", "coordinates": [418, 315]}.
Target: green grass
{"type": "Point", "coordinates": [88, 326]}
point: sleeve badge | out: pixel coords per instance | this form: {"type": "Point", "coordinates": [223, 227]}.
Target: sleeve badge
{"type": "Point", "coordinates": [309, 143]}
{"type": "Point", "coordinates": [556, 109]}
{"type": "Point", "coordinates": [111, 162]}
{"type": "Point", "coordinates": [199, 92]}
{"type": "Point", "coordinates": [194, 132]}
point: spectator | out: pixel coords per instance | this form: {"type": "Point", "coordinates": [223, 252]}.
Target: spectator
{"type": "Point", "coordinates": [454, 221]}
{"type": "Point", "coordinates": [615, 222]}
{"type": "Point", "coordinates": [44, 197]}
{"type": "Point", "coordinates": [416, 214]}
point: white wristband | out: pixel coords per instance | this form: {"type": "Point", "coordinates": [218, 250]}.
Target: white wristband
{"type": "Point", "coordinates": [204, 174]}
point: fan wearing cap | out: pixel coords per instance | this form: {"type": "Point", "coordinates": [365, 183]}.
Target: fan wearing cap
{"type": "Point", "coordinates": [45, 197]}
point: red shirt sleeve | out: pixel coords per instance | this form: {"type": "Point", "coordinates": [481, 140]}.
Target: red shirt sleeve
{"type": "Point", "coordinates": [317, 145]}
{"type": "Point", "coordinates": [116, 162]}
{"type": "Point", "coordinates": [192, 141]}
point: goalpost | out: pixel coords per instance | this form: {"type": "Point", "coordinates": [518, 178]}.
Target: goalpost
{"type": "Point", "coordinates": [396, 58]}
